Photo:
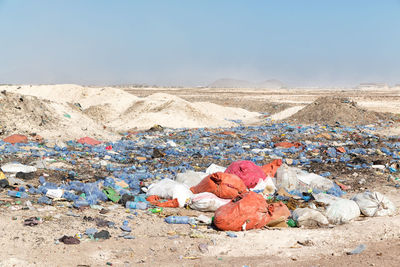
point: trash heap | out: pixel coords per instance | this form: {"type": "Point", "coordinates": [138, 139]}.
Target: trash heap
{"type": "Point", "coordinates": [242, 178]}
{"type": "Point", "coordinates": [330, 110]}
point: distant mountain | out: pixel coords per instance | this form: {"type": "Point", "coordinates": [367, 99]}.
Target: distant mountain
{"type": "Point", "coordinates": [232, 83]}
{"type": "Point", "coordinates": [271, 84]}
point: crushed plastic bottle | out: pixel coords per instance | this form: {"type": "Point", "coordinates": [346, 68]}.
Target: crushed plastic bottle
{"type": "Point", "coordinates": [45, 200]}
{"type": "Point", "coordinates": [180, 220]}
{"type": "Point", "coordinates": [81, 203]}
{"type": "Point", "coordinates": [136, 205]}
{"type": "Point", "coordinates": [17, 194]}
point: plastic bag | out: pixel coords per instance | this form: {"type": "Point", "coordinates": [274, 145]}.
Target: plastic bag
{"type": "Point", "coordinates": [190, 178]}
{"type": "Point", "coordinates": [342, 211]}
{"type": "Point", "coordinates": [168, 189]}
{"type": "Point", "coordinates": [17, 167]}
{"type": "Point", "coordinates": [213, 168]}
{"type": "Point", "coordinates": [325, 198]}
{"type": "Point", "coordinates": [247, 211]}
{"type": "Point", "coordinates": [291, 178]}
{"type": "Point", "coordinates": [267, 186]}
{"type": "Point", "coordinates": [249, 172]}
{"type": "Point", "coordinates": [223, 185]}
{"type": "Point", "coordinates": [339, 210]}
{"type": "Point", "coordinates": [54, 193]}
{"type": "Point", "coordinates": [309, 217]}
{"type": "Point", "coordinates": [207, 202]}
{"type": "Point", "coordinates": [271, 168]}
{"type": "Point", "coordinates": [374, 204]}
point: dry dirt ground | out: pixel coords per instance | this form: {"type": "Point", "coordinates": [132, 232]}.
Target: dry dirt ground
{"type": "Point", "coordinates": [159, 244]}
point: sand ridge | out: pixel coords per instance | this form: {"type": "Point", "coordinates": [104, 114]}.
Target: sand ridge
{"type": "Point", "coordinates": [73, 111]}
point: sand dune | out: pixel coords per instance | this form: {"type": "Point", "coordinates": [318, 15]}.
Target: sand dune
{"type": "Point", "coordinates": [72, 111]}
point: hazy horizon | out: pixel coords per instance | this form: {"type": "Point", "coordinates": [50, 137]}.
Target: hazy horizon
{"type": "Point", "coordinates": [188, 43]}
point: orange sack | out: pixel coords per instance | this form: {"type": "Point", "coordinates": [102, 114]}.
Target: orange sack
{"type": "Point", "coordinates": [288, 145]}
{"type": "Point", "coordinates": [171, 203]}
{"type": "Point", "coordinates": [278, 210]}
{"type": "Point", "coordinates": [223, 185]}
{"type": "Point", "coordinates": [247, 211]}
{"type": "Point", "coordinates": [16, 138]}
{"type": "Point", "coordinates": [271, 168]}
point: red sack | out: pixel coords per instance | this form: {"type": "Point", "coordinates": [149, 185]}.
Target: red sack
{"type": "Point", "coordinates": [89, 141]}
{"type": "Point", "coordinates": [287, 144]}
{"type": "Point", "coordinates": [223, 185]}
{"type": "Point", "coordinates": [248, 208]}
{"type": "Point", "coordinates": [271, 168]}
{"type": "Point", "coordinates": [278, 210]}
{"type": "Point", "coordinates": [171, 203]}
{"type": "Point", "coordinates": [249, 172]}
{"type": "Point", "coordinates": [16, 138]}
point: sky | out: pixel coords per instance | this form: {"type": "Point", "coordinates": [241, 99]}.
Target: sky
{"type": "Point", "coordinates": [191, 43]}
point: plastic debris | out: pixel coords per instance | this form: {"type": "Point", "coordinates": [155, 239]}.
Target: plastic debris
{"type": "Point", "coordinates": [357, 250]}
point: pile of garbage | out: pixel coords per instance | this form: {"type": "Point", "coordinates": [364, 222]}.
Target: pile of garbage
{"type": "Point", "coordinates": [246, 196]}
{"type": "Point", "coordinates": [268, 180]}
{"type": "Point", "coordinates": [331, 110]}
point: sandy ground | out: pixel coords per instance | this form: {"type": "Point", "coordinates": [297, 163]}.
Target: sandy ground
{"type": "Point", "coordinates": [157, 243]}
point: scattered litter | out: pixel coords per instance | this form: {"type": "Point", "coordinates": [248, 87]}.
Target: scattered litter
{"type": "Point", "coordinates": [103, 234]}
{"type": "Point", "coordinates": [32, 221]}
{"type": "Point", "coordinates": [231, 234]}
{"type": "Point", "coordinates": [69, 240]}
{"type": "Point", "coordinates": [357, 250]}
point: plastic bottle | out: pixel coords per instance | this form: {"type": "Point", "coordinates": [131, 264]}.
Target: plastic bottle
{"type": "Point", "coordinates": [156, 210]}
{"type": "Point", "coordinates": [291, 223]}
{"type": "Point", "coordinates": [17, 194]}
{"type": "Point", "coordinates": [42, 180]}
{"type": "Point", "coordinates": [33, 190]}
{"type": "Point", "coordinates": [45, 200]}
{"type": "Point", "coordinates": [136, 205]}
{"type": "Point", "coordinates": [80, 203]}
{"type": "Point", "coordinates": [70, 196]}
{"type": "Point", "coordinates": [180, 220]}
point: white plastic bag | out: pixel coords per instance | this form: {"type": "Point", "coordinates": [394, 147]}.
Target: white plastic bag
{"type": "Point", "coordinates": [168, 188]}
{"type": "Point", "coordinates": [207, 202]}
{"type": "Point", "coordinates": [182, 193]}
{"type": "Point", "coordinates": [325, 198]}
{"type": "Point", "coordinates": [17, 167]}
{"type": "Point", "coordinates": [54, 193]}
{"type": "Point", "coordinates": [342, 211]}
{"type": "Point", "coordinates": [339, 210]}
{"type": "Point", "coordinates": [374, 204]}
{"type": "Point", "coordinates": [291, 178]}
{"type": "Point", "coordinates": [163, 188]}
{"type": "Point", "coordinates": [213, 168]}
{"type": "Point", "coordinates": [267, 184]}
{"type": "Point", "coordinates": [309, 218]}
{"type": "Point", "coordinates": [190, 178]}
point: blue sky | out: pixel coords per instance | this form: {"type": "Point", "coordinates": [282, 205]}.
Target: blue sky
{"type": "Point", "coordinates": [167, 42]}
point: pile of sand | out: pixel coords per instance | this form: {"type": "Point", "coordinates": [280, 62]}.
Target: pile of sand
{"type": "Point", "coordinates": [174, 112]}
{"type": "Point", "coordinates": [72, 93]}
{"type": "Point", "coordinates": [26, 114]}
{"type": "Point", "coordinates": [329, 110]}
{"type": "Point", "coordinates": [72, 111]}
{"type": "Point", "coordinates": [286, 113]}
